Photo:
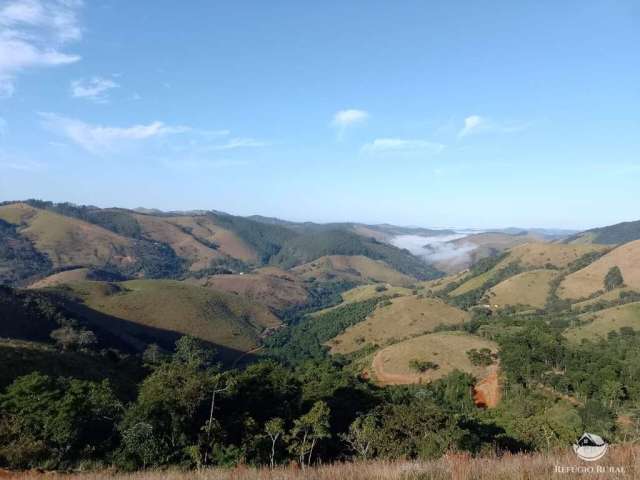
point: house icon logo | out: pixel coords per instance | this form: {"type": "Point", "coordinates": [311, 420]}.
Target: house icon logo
{"type": "Point", "coordinates": [590, 447]}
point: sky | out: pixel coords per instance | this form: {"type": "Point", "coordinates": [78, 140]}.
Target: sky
{"type": "Point", "coordinates": [444, 113]}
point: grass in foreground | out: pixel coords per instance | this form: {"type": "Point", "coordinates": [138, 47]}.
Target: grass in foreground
{"type": "Point", "coordinates": [540, 466]}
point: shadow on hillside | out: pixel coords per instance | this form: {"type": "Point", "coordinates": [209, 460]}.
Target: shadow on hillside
{"type": "Point", "coordinates": [21, 358]}
{"type": "Point", "coordinates": [131, 337]}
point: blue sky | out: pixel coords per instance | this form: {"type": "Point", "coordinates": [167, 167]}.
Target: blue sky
{"type": "Point", "coordinates": [439, 113]}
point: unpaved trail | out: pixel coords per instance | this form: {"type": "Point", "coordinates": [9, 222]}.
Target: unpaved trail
{"type": "Point", "coordinates": [390, 378]}
{"type": "Point", "coordinates": [487, 392]}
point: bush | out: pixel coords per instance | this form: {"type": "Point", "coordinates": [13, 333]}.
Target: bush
{"type": "Point", "coordinates": [422, 366]}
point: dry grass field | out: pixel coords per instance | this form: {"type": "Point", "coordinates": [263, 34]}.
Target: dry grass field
{"type": "Point", "coordinates": [217, 317]}
{"type": "Point", "coordinates": [532, 255]}
{"type": "Point", "coordinates": [356, 268]}
{"type": "Point", "coordinates": [204, 229]}
{"type": "Point", "coordinates": [605, 321]}
{"type": "Point", "coordinates": [539, 255]}
{"type": "Point", "coordinates": [446, 349]}
{"type": "Point", "coordinates": [527, 288]}
{"type": "Point", "coordinates": [405, 317]}
{"type": "Point", "coordinates": [67, 276]}
{"type": "Point", "coordinates": [271, 286]}
{"type": "Point", "coordinates": [473, 283]}
{"type": "Point", "coordinates": [606, 296]}
{"type": "Point", "coordinates": [590, 279]}
{"type": "Point", "coordinates": [562, 464]}
{"type": "Point", "coordinates": [68, 241]}
{"type": "Point", "coordinates": [185, 245]}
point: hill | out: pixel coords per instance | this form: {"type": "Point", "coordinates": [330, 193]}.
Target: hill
{"type": "Point", "coordinates": [599, 324]}
{"type": "Point", "coordinates": [528, 288]}
{"type": "Point", "coordinates": [590, 280]}
{"type": "Point", "coordinates": [145, 311]}
{"type": "Point", "coordinates": [611, 235]}
{"type": "Point", "coordinates": [447, 350]}
{"type": "Point", "coordinates": [523, 257]}
{"type": "Point", "coordinates": [402, 318]}
{"type": "Point", "coordinates": [355, 268]}
{"type": "Point", "coordinates": [270, 286]}
{"type": "Point", "coordinates": [44, 240]}
{"type": "Point", "coordinates": [308, 247]}
{"type": "Point", "coordinates": [69, 241]}
{"type": "Point", "coordinates": [76, 275]}
{"type": "Point", "coordinates": [459, 254]}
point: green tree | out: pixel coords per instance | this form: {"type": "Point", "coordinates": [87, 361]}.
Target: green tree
{"type": "Point", "coordinates": [274, 429]}
{"type": "Point", "coordinates": [613, 278]}
{"type": "Point", "coordinates": [362, 436]}
{"type": "Point", "coordinates": [308, 430]}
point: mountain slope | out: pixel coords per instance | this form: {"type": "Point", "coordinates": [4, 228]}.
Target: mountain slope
{"type": "Point", "coordinates": [611, 235]}
{"type": "Point", "coordinates": [353, 268]}
{"type": "Point", "coordinates": [305, 248]}
{"type": "Point", "coordinates": [589, 280]}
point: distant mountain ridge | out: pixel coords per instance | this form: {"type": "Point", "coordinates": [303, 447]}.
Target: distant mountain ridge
{"type": "Point", "coordinates": [41, 238]}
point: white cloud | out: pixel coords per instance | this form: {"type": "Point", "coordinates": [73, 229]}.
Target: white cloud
{"type": "Point", "coordinates": [477, 124]}
{"type": "Point", "coordinates": [348, 118]}
{"type": "Point", "coordinates": [382, 145]}
{"type": "Point", "coordinates": [94, 89]}
{"type": "Point", "coordinates": [472, 124]}
{"type": "Point", "coordinates": [234, 143]}
{"type": "Point", "coordinates": [99, 138]}
{"type": "Point", "coordinates": [32, 34]}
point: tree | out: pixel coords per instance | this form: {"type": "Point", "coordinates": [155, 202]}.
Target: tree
{"type": "Point", "coordinates": [613, 278]}
{"type": "Point", "coordinates": [361, 436]}
{"type": "Point", "coordinates": [308, 430]}
{"type": "Point", "coordinates": [274, 429]}
{"type": "Point", "coordinates": [59, 419]}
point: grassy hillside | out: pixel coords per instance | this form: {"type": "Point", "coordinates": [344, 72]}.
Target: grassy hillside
{"type": "Point", "coordinates": [611, 235]}
{"type": "Point", "coordinates": [357, 268]}
{"type": "Point", "coordinates": [589, 280]}
{"type": "Point", "coordinates": [68, 241]}
{"type": "Point", "coordinates": [599, 324]}
{"type": "Point", "coordinates": [269, 286]}
{"type": "Point", "coordinates": [402, 318]}
{"type": "Point", "coordinates": [166, 309]}
{"type": "Point", "coordinates": [63, 242]}
{"type": "Point", "coordinates": [308, 247]}
{"type": "Point", "coordinates": [76, 275]}
{"type": "Point", "coordinates": [20, 261]}
{"type": "Point", "coordinates": [528, 288]}
{"type": "Point", "coordinates": [391, 365]}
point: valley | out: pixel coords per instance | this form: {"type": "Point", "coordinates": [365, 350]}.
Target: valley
{"type": "Point", "coordinates": [330, 320]}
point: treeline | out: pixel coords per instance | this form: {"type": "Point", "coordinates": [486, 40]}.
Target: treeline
{"type": "Point", "coordinates": [305, 340]}
{"type": "Point", "coordinates": [190, 413]}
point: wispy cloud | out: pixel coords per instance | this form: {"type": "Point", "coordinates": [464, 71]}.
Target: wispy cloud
{"type": "Point", "coordinates": [33, 34]}
{"type": "Point", "coordinates": [474, 124]}
{"type": "Point", "coordinates": [344, 119]}
{"type": "Point", "coordinates": [95, 89]}
{"type": "Point", "coordinates": [235, 143]}
{"type": "Point", "coordinates": [100, 138]}
{"type": "Point", "coordinates": [347, 118]}
{"type": "Point", "coordinates": [384, 145]}
{"type": "Point", "coordinates": [197, 163]}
